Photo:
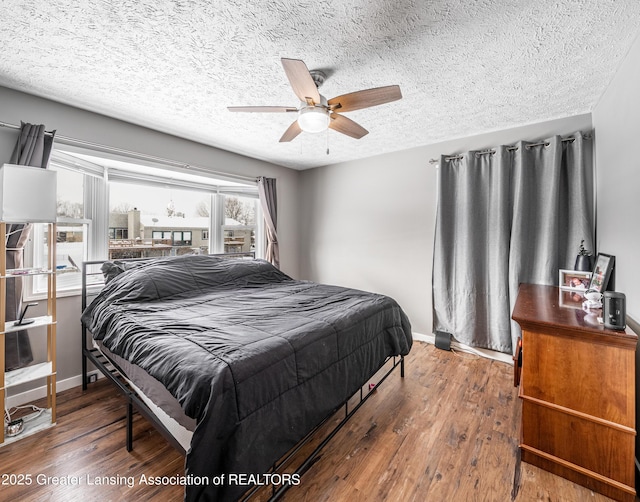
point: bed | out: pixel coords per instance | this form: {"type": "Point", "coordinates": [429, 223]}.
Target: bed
{"type": "Point", "coordinates": [254, 359]}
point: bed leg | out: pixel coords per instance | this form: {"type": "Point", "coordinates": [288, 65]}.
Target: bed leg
{"type": "Point", "coordinates": [84, 372]}
{"type": "Point", "coordinates": [401, 366]}
{"type": "Point", "coordinates": [129, 425]}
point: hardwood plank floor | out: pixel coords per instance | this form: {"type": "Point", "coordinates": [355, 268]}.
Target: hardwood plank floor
{"type": "Point", "coordinates": [447, 431]}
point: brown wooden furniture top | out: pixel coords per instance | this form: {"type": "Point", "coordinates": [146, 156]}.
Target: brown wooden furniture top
{"type": "Point", "coordinates": [539, 307]}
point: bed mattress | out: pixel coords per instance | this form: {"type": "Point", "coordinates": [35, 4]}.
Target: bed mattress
{"type": "Point", "coordinates": [157, 398]}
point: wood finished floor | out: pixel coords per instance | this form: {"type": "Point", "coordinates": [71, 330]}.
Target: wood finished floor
{"type": "Point", "coordinates": [446, 432]}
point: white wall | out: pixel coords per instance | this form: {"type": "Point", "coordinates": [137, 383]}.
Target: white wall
{"type": "Point", "coordinates": [617, 124]}
{"type": "Point", "coordinates": [79, 124]}
{"type": "Point", "coordinates": [369, 224]}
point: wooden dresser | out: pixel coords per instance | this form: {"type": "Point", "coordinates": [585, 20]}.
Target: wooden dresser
{"type": "Point", "coordinates": [577, 385]}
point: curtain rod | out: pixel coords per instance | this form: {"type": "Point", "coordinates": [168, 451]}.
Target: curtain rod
{"type": "Point", "coordinates": [141, 156]}
{"type": "Point", "coordinates": [13, 126]}
{"type": "Point", "coordinates": [510, 148]}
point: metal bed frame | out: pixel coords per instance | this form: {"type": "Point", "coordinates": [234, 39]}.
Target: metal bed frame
{"type": "Point", "coordinates": [112, 372]}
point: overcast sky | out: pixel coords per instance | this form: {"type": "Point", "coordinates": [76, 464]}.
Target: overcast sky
{"type": "Point", "coordinates": [149, 200]}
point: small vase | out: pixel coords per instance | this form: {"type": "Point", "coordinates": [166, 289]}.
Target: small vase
{"type": "Point", "coordinates": [583, 263]}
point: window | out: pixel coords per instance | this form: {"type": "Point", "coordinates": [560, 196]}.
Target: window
{"type": "Point", "coordinates": [70, 192]}
{"type": "Point", "coordinates": [118, 233]}
{"type": "Point", "coordinates": [239, 225]}
{"type": "Point", "coordinates": [181, 238]}
{"type": "Point", "coordinates": [122, 209]}
{"type": "Point", "coordinates": [72, 231]}
{"type": "Point", "coordinates": [161, 235]}
{"type": "Point", "coordinates": [160, 220]}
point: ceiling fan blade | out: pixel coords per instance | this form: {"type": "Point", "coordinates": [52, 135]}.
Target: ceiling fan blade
{"type": "Point", "coordinates": [291, 132]}
{"type": "Point", "coordinates": [347, 126]}
{"type": "Point", "coordinates": [300, 79]}
{"type": "Point", "coordinates": [265, 109]}
{"type": "Point", "coordinates": [364, 99]}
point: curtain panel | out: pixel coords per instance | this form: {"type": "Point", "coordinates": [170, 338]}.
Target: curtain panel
{"type": "Point", "coordinates": [269, 203]}
{"type": "Point", "coordinates": [33, 148]}
{"type": "Point", "coordinates": [513, 216]}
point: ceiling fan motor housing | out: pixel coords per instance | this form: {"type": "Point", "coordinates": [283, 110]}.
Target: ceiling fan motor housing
{"type": "Point", "coordinates": [318, 77]}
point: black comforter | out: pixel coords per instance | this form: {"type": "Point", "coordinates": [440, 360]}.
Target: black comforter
{"type": "Point", "coordinates": [257, 358]}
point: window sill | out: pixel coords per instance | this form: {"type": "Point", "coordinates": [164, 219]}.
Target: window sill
{"type": "Point", "coordinates": [41, 296]}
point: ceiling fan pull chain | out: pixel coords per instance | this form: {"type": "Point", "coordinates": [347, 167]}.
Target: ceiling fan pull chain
{"type": "Point", "coordinates": [327, 137]}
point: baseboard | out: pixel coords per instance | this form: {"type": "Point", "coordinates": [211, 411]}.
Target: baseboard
{"type": "Point", "coordinates": [41, 392]}
{"type": "Point", "coordinates": [489, 354]}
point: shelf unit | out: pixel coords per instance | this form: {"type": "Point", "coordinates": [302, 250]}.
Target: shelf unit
{"type": "Point", "coordinates": [36, 421]}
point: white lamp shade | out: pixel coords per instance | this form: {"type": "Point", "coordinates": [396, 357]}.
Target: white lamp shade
{"type": "Point", "coordinates": [313, 119]}
{"type": "Point", "coordinates": [27, 194]}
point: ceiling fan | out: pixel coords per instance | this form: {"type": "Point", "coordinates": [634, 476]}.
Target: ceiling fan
{"type": "Point", "coordinates": [316, 113]}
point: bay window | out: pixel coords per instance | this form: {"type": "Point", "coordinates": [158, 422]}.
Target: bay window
{"type": "Point", "coordinates": [110, 209]}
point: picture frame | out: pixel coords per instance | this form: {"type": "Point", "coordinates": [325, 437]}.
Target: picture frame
{"type": "Point", "coordinates": [574, 279]}
{"type": "Point", "coordinates": [602, 272]}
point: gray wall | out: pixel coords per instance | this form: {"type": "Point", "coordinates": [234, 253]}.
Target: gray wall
{"type": "Point", "coordinates": [79, 124]}
{"type": "Point", "coordinates": [617, 123]}
{"type": "Point", "coordinates": [369, 224]}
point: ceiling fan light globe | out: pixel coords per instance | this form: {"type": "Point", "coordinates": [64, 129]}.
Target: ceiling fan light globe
{"type": "Point", "coordinates": [313, 119]}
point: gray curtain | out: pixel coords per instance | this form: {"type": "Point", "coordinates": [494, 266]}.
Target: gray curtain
{"type": "Point", "coordinates": [269, 202]}
{"type": "Point", "coordinates": [32, 149]}
{"type": "Point", "coordinates": [514, 216]}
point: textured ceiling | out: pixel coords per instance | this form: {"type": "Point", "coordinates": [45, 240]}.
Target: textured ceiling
{"type": "Point", "coordinates": [464, 67]}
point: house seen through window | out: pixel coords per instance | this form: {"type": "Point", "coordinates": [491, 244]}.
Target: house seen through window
{"type": "Point", "coordinates": [166, 221]}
